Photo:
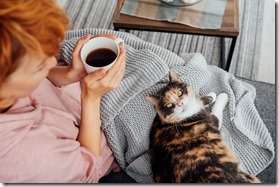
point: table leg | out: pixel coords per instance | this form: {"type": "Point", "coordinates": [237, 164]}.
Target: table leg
{"type": "Point", "coordinates": [227, 68]}
{"type": "Point", "coordinates": [223, 53]}
{"type": "Point", "coordinates": [226, 65]}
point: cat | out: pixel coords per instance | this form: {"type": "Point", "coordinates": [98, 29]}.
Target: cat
{"type": "Point", "coordinates": [185, 141]}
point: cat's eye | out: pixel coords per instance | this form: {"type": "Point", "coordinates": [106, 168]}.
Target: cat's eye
{"type": "Point", "coordinates": [179, 93]}
{"type": "Point", "coordinates": [168, 105]}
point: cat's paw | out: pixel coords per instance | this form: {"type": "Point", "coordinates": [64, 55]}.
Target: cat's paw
{"type": "Point", "coordinates": [223, 98]}
{"type": "Point", "coordinates": [213, 95]}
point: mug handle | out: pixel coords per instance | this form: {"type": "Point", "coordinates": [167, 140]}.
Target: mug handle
{"type": "Point", "coordinates": [118, 41]}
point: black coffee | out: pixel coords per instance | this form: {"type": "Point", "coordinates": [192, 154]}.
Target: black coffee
{"type": "Point", "coordinates": [100, 57]}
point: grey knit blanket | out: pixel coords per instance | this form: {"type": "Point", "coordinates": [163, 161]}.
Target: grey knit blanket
{"type": "Point", "coordinates": [127, 117]}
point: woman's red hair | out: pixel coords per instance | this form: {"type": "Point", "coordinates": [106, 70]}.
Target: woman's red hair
{"type": "Point", "coordinates": [26, 26]}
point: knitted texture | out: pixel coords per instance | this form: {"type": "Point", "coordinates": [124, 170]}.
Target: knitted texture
{"type": "Point", "coordinates": [127, 116]}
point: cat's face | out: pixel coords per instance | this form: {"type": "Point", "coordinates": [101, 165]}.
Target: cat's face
{"type": "Point", "coordinates": [175, 102]}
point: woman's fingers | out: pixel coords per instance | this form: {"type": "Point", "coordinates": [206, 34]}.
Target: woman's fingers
{"type": "Point", "coordinates": [120, 62]}
{"type": "Point", "coordinates": [116, 73]}
{"type": "Point", "coordinates": [121, 68]}
{"type": "Point", "coordinates": [91, 78]}
{"type": "Point", "coordinates": [113, 74]}
{"type": "Point", "coordinates": [79, 45]}
{"type": "Point", "coordinates": [111, 36]}
{"type": "Point", "coordinates": [101, 81]}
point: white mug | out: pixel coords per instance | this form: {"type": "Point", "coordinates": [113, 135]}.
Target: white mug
{"type": "Point", "coordinates": [100, 43]}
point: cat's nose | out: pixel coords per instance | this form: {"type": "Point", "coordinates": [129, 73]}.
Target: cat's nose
{"type": "Point", "coordinates": [180, 103]}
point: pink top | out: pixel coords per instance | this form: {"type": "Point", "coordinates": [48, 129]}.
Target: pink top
{"type": "Point", "coordinates": [38, 140]}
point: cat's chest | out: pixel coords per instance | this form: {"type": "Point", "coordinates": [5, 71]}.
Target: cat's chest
{"type": "Point", "coordinates": [171, 135]}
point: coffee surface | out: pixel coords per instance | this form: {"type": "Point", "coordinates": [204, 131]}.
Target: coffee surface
{"type": "Point", "coordinates": [100, 57]}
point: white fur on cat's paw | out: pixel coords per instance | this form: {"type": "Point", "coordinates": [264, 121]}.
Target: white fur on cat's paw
{"type": "Point", "coordinates": [213, 95]}
{"type": "Point", "coordinates": [219, 106]}
{"type": "Point", "coordinates": [224, 99]}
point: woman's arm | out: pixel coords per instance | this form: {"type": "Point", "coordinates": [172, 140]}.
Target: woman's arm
{"type": "Point", "coordinates": [94, 86]}
{"type": "Point", "coordinates": [89, 131]}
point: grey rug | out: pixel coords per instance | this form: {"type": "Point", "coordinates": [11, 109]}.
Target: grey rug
{"type": "Point", "coordinates": [245, 61]}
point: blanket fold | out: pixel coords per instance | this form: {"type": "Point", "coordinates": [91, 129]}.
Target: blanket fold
{"type": "Point", "coordinates": [127, 117]}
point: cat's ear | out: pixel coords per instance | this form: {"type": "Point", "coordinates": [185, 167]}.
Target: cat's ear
{"type": "Point", "coordinates": [152, 99]}
{"type": "Point", "coordinates": [174, 77]}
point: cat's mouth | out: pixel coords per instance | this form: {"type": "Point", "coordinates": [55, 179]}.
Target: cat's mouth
{"type": "Point", "coordinates": [183, 110]}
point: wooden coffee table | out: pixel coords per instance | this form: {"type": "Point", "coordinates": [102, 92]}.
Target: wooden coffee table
{"type": "Point", "coordinates": [229, 28]}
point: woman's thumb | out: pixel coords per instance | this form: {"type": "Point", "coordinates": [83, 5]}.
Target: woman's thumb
{"type": "Point", "coordinates": [96, 75]}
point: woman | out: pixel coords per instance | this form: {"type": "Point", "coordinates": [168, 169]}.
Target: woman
{"type": "Point", "coordinates": [49, 122]}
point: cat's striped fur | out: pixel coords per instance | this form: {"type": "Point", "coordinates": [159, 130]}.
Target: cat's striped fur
{"type": "Point", "coordinates": [185, 141]}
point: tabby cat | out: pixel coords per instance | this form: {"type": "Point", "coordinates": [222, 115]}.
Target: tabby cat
{"type": "Point", "coordinates": [185, 141]}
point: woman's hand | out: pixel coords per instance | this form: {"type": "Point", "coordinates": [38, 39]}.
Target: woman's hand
{"type": "Point", "coordinates": [111, 36]}
{"type": "Point", "coordinates": [63, 75]}
{"type": "Point", "coordinates": [77, 71]}
{"type": "Point", "coordinates": [101, 82]}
